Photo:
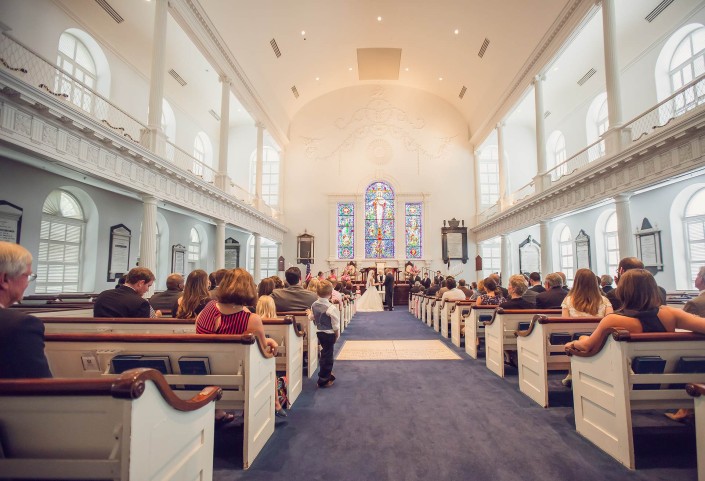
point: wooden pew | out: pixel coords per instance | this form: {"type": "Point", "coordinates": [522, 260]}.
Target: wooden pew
{"type": "Point", "coordinates": [430, 304]}
{"type": "Point", "coordinates": [458, 313]}
{"type": "Point", "coordinates": [425, 301]}
{"type": "Point", "coordinates": [130, 426]}
{"type": "Point", "coordinates": [436, 314]}
{"type": "Point", "coordinates": [444, 317]}
{"type": "Point", "coordinates": [240, 365]}
{"type": "Point", "coordinates": [697, 391]}
{"type": "Point", "coordinates": [536, 356]}
{"type": "Point", "coordinates": [475, 327]}
{"type": "Point", "coordinates": [499, 334]}
{"type": "Point", "coordinates": [603, 385]}
{"type": "Point", "coordinates": [308, 327]}
{"type": "Point", "coordinates": [285, 331]}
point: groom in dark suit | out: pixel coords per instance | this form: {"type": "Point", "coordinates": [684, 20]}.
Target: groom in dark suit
{"type": "Point", "coordinates": [389, 290]}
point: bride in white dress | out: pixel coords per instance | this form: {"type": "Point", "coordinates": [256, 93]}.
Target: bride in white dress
{"type": "Point", "coordinates": [370, 301]}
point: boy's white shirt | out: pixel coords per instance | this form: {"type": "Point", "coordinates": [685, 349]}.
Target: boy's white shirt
{"type": "Point", "coordinates": [332, 311]}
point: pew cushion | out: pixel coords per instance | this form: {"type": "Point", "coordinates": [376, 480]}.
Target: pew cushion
{"type": "Point", "coordinates": [122, 363]}
{"type": "Point", "coordinates": [688, 365]}
{"type": "Point", "coordinates": [558, 338]}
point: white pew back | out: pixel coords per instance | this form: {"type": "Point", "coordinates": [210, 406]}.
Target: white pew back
{"type": "Point", "coordinates": [458, 313]}
{"type": "Point", "coordinates": [698, 393]}
{"type": "Point", "coordinates": [475, 327]}
{"type": "Point", "coordinates": [138, 429]}
{"type": "Point", "coordinates": [308, 327]}
{"type": "Point", "coordinates": [603, 394]}
{"type": "Point", "coordinates": [237, 364]}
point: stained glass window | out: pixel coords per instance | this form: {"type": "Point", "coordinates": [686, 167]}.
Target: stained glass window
{"type": "Point", "coordinates": [346, 230]}
{"type": "Point", "coordinates": [413, 230]}
{"type": "Point", "coordinates": [379, 221]}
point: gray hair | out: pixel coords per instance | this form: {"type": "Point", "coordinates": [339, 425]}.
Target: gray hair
{"type": "Point", "coordinates": [701, 273]}
{"type": "Point", "coordinates": [606, 279]}
{"type": "Point", "coordinates": [518, 283]}
{"type": "Point", "coordinates": [554, 280]}
{"type": "Point", "coordinates": [14, 259]}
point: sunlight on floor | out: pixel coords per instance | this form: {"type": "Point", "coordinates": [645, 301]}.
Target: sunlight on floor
{"type": "Point", "coordinates": [426, 350]}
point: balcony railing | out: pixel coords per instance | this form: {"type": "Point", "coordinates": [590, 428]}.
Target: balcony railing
{"type": "Point", "coordinates": [684, 100]}
{"type": "Point", "coordinates": [189, 163]}
{"type": "Point", "coordinates": [488, 213]}
{"type": "Point", "coordinates": [589, 154]}
{"type": "Point", "coordinates": [523, 193]}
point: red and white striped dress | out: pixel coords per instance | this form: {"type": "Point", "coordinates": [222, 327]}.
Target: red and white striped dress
{"type": "Point", "coordinates": [229, 323]}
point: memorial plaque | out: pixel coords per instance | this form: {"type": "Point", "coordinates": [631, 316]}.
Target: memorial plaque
{"type": "Point", "coordinates": [119, 251]}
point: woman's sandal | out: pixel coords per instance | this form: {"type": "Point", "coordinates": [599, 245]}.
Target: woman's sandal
{"type": "Point", "coordinates": [225, 419]}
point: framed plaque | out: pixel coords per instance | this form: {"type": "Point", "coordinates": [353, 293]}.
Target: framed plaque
{"type": "Point", "coordinates": [232, 253]}
{"type": "Point", "coordinates": [454, 240]}
{"type": "Point", "coordinates": [529, 256]}
{"type": "Point", "coordinates": [582, 250]}
{"type": "Point", "coordinates": [648, 247]}
{"type": "Point", "coordinates": [178, 259]}
{"type": "Point", "coordinates": [304, 248]}
{"type": "Point", "coordinates": [10, 222]}
{"type": "Point", "coordinates": [119, 251]}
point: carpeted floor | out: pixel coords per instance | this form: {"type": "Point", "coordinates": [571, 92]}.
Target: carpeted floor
{"type": "Point", "coordinates": [437, 420]}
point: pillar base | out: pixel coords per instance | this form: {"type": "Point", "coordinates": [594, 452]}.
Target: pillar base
{"type": "Point", "coordinates": [154, 140]}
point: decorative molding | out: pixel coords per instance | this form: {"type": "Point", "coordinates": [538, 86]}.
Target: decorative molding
{"type": "Point", "coordinates": [675, 151]}
{"type": "Point", "coordinates": [65, 138]}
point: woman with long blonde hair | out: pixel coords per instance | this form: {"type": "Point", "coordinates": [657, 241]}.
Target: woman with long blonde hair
{"type": "Point", "coordinates": [585, 299]}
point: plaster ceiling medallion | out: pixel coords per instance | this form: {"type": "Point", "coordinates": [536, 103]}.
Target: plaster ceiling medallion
{"type": "Point", "coordinates": [379, 152]}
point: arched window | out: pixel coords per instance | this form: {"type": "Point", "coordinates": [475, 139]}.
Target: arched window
{"type": "Point", "coordinates": [202, 152]}
{"type": "Point", "coordinates": [555, 148]}
{"type": "Point", "coordinates": [596, 124]}
{"type": "Point", "coordinates": [611, 243]}
{"type": "Point", "coordinates": [268, 258]}
{"type": "Point", "coordinates": [694, 222]}
{"type": "Point", "coordinates": [194, 250]}
{"type": "Point", "coordinates": [346, 230]}
{"type": "Point", "coordinates": [60, 244]}
{"type": "Point", "coordinates": [488, 165]}
{"type": "Point", "coordinates": [412, 228]}
{"type": "Point", "coordinates": [379, 221]}
{"type": "Point", "coordinates": [491, 252]}
{"type": "Point", "coordinates": [565, 248]}
{"type": "Point", "coordinates": [80, 76]}
{"type": "Point", "coordinates": [270, 175]}
{"type": "Point", "coordinates": [687, 64]}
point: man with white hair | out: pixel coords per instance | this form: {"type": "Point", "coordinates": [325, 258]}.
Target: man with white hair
{"type": "Point", "coordinates": [697, 306]}
{"type": "Point", "coordinates": [21, 335]}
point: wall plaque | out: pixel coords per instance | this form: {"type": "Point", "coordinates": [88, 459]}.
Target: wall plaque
{"type": "Point", "coordinates": [582, 250]}
{"type": "Point", "coordinates": [119, 252]}
{"type": "Point", "coordinates": [178, 259]}
{"type": "Point", "coordinates": [529, 256]}
{"type": "Point", "coordinates": [454, 240]}
{"type": "Point", "coordinates": [232, 253]}
{"type": "Point", "coordinates": [10, 222]}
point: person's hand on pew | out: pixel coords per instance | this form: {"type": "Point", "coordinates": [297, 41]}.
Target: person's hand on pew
{"type": "Point", "coordinates": [578, 345]}
{"type": "Point", "coordinates": [273, 346]}
{"type": "Point", "coordinates": [158, 313]}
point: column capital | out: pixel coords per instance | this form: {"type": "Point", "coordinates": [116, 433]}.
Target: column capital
{"type": "Point", "coordinates": [623, 197]}
{"type": "Point", "coordinates": [500, 124]}
{"type": "Point", "coordinates": [538, 79]}
{"type": "Point", "coordinates": [149, 199]}
{"type": "Point", "coordinates": [259, 125]}
{"type": "Point", "coordinates": [220, 222]}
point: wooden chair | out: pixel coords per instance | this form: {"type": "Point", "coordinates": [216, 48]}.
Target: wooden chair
{"type": "Point", "coordinates": [697, 391]}
{"type": "Point", "coordinates": [604, 392]}
{"type": "Point", "coordinates": [537, 355]}
{"type": "Point", "coordinates": [130, 426]}
{"type": "Point", "coordinates": [240, 365]}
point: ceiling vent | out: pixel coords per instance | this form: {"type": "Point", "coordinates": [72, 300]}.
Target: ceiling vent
{"type": "Point", "coordinates": [483, 49]}
{"type": "Point", "coordinates": [657, 11]}
{"type": "Point", "coordinates": [275, 47]}
{"type": "Point", "coordinates": [462, 92]}
{"type": "Point", "coordinates": [587, 76]}
{"type": "Point", "coordinates": [177, 77]}
{"type": "Point", "coordinates": [295, 91]}
{"type": "Point", "coordinates": [110, 11]}
{"type": "Point", "coordinates": [546, 114]}
{"type": "Point", "coordinates": [214, 115]}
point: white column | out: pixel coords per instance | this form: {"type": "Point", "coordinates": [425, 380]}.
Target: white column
{"type": "Point", "coordinates": [478, 196]}
{"type": "Point", "coordinates": [612, 77]}
{"type": "Point", "coordinates": [219, 244]}
{"type": "Point", "coordinates": [280, 206]}
{"type": "Point", "coordinates": [155, 138]}
{"type": "Point", "coordinates": [541, 163]}
{"type": "Point", "coordinates": [506, 259]}
{"type": "Point", "coordinates": [222, 175]}
{"type": "Point", "coordinates": [257, 259]}
{"type": "Point", "coordinates": [502, 165]}
{"type": "Point", "coordinates": [148, 238]}
{"type": "Point", "coordinates": [546, 254]}
{"type": "Point", "coordinates": [624, 225]}
{"type": "Point", "coordinates": [260, 155]}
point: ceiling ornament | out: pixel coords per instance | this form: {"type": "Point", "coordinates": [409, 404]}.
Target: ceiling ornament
{"type": "Point", "coordinates": [379, 118]}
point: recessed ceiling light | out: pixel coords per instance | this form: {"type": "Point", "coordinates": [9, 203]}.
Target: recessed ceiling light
{"type": "Point", "coordinates": [303, 32]}
{"type": "Point", "coordinates": [318, 78]}
{"type": "Point", "coordinates": [350, 69]}
{"type": "Point", "coordinates": [407, 69]}
{"type": "Point", "coordinates": [456, 31]}
{"type": "Point", "coordinates": [440, 78]}
{"type": "Point", "coordinates": [379, 19]}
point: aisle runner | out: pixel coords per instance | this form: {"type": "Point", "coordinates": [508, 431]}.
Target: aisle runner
{"type": "Point", "coordinates": [395, 350]}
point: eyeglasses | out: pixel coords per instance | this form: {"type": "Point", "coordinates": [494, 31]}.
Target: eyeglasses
{"type": "Point", "coordinates": [32, 277]}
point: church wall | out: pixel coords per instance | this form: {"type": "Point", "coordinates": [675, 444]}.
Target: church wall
{"type": "Point", "coordinates": [346, 139]}
{"type": "Point", "coordinates": [520, 149]}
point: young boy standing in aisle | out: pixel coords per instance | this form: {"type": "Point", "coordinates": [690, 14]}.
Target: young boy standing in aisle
{"type": "Point", "coordinates": [326, 315]}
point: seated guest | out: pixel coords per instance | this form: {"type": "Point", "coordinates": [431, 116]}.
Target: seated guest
{"type": "Point", "coordinates": [606, 281]}
{"type": "Point", "coordinates": [127, 300]}
{"type": "Point", "coordinates": [697, 306]}
{"type": "Point", "coordinates": [497, 280]}
{"type": "Point", "coordinates": [21, 335]}
{"type": "Point", "coordinates": [479, 291]}
{"type": "Point", "coordinates": [278, 283]}
{"type": "Point", "coordinates": [453, 293]}
{"type": "Point", "coordinates": [584, 299]}
{"type": "Point", "coordinates": [195, 296]}
{"type": "Point", "coordinates": [417, 287]}
{"type": "Point", "coordinates": [294, 297]}
{"type": "Point", "coordinates": [553, 297]}
{"type": "Point", "coordinates": [265, 287]}
{"type": "Point", "coordinates": [564, 279]}
{"type": "Point", "coordinates": [535, 288]}
{"type": "Point", "coordinates": [517, 287]}
{"type": "Point", "coordinates": [624, 265]}
{"type": "Point", "coordinates": [443, 289]}
{"type": "Point", "coordinates": [266, 308]}
{"type": "Point", "coordinates": [312, 284]}
{"type": "Point", "coordinates": [493, 297]}
{"type": "Point", "coordinates": [215, 278]}
{"type": "Point", "coordinates": [431, 291]}
{"type": "Point", "coordinates": [463, 287]}
{"type": "Point", "coordinates": [227, 315]}
{"type": "Point", "coordinates": [164, 301]}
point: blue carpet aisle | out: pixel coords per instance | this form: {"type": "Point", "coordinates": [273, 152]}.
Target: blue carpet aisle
{"type": "Point", "coordinates": [442, 420]}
